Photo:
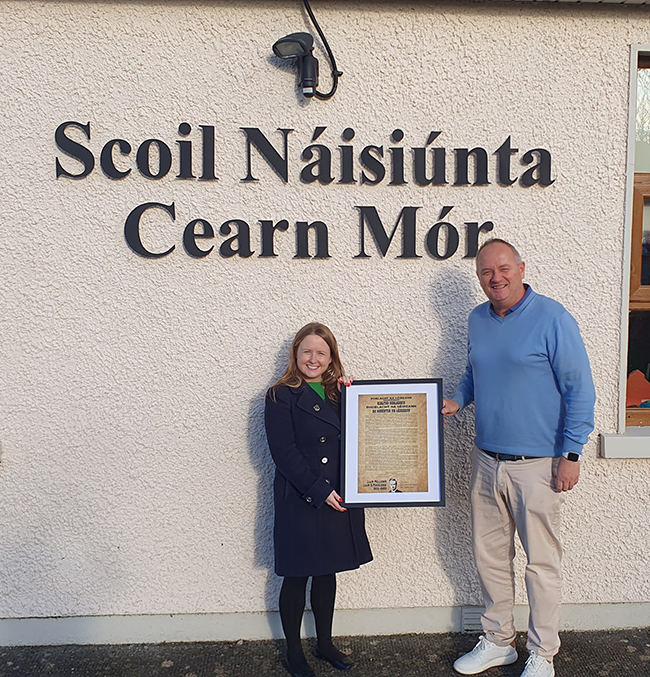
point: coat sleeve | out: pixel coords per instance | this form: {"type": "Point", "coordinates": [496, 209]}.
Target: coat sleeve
{"type": "Point", "coordinates": [280, 433]}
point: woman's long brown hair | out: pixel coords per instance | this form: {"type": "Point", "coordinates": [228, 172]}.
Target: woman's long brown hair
{"type": "Point", "coordinates": [293, 377]}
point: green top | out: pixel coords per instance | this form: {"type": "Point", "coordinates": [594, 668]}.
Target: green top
{"type": "Point", "coordinates": [318, 387]}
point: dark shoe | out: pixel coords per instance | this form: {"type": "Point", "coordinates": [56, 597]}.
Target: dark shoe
{"type": "Point", "coordinates": [341, 663]}
{"type": "Point", "coordinates": [302, 671]}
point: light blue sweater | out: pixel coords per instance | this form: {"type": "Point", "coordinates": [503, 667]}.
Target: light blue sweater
{"type": "Point", "coordinates": [529, 375]}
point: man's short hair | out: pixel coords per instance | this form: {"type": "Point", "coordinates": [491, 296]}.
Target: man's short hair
{"type": "Point", "coordinates": [497, 240]}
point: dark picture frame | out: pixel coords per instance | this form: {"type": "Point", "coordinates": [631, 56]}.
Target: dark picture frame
{"type": "Point", "coordinates": [392, 443]}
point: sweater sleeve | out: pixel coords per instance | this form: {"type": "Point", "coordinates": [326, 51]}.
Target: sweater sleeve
{"type": "Point", "coordinates": [570, 364]}
{"type": "Point", "coordinates": [464, 394]}
{"type": "Point", "coordinates": [288, 459]}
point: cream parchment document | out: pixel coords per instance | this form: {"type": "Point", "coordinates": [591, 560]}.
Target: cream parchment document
{"type": "Point", "coordinates": [393, 443]}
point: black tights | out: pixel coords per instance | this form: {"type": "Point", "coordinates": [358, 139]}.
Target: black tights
{"type": "Point", "coordinates": [292, 607]}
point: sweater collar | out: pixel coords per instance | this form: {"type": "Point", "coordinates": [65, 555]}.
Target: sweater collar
{"type": "Point", "coordinates": [527, 294]}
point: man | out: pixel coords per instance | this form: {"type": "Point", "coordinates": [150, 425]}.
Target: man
{"type": "Point", "coordinates": [529, 377]}
{"type": "Point", "coordinates": [392, 483]}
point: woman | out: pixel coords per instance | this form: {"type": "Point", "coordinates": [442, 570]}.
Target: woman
{"type": "Point", "coordinates": [314, 534]}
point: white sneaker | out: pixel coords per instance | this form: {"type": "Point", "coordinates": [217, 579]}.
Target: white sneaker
{"type": "Point", "coordinates": [536, 666]}
{"type": "Point", "coordinates": [486, 655]}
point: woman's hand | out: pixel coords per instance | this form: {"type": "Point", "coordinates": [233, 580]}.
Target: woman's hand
{"type": "Point", "coordinates": [344, 380]}
{"type": "Point", "coordinates": [334, 501]}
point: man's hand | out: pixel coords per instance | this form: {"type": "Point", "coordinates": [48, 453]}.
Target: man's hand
{"type": "Point", "coordinates": [568, 473]}
{"type": "Point", "coordinates": [449, 408]}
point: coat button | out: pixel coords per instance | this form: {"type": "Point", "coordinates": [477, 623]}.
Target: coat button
{"type": "Point", "coordinates": [339, 437]}
{"type": "Point", "coordinates": [308, 499]}
{"type": "Point", "coordinates": [324, 459]}
{"type": "Point", "coordinates": [328, 481]}
{"type": "Point", "coordinates": [323, 439]}
{"type": "Point", "coordinates": [317, 407]}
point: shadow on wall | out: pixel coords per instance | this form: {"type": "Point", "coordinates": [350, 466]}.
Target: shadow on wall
{"type": "Point", "coordinates": [453, 297]}
{"type": "Point", "coordinates": [263, 463]}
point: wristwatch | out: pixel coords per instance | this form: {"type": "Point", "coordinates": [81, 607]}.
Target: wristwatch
{"type": "Point", "coordinates": [572, 456]}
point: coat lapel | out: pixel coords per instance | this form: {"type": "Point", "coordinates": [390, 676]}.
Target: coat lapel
{"type": "Point", "coordinates": [311, 402]}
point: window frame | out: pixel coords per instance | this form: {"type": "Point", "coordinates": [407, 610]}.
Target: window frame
{"type": "Point", "coordinates": [639, 294]}
{"type": "Point", "coordinates": [635, 297]}
{"type": "Point", "coordinates": [629, 441]}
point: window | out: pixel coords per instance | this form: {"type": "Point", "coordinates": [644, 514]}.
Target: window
{"type": "Point", "coordinates": [638, 363]}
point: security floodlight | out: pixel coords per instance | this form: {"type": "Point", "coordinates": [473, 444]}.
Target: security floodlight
{"type": "Point", "coordinates": [300, 46]}
{"type": "Point", "coordinates": [295, 44]}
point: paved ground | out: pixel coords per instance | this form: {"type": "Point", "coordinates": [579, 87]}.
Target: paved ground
{"type": "Point", "coordinates": [584, 654]}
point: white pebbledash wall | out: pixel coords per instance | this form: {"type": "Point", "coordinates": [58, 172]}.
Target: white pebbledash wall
{"type": "Point", "coordinates": [135, 479]}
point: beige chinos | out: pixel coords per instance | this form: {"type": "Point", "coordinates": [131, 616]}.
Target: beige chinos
{"type": "Point", "coordinates": [509, 495]}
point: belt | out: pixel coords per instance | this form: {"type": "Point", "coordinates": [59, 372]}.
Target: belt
{"type": "Point", "coordinates": [506, 457]}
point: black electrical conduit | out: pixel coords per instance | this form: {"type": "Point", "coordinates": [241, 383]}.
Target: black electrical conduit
{"type": "Point", "coordinates": [336, 74]}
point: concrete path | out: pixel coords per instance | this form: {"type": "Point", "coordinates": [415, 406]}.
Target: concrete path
{"type": "Point", "coordinates": [584, 654]}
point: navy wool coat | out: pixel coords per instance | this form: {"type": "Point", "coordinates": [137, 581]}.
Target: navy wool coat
{"type": "Point", "coordinates": [310, 537]}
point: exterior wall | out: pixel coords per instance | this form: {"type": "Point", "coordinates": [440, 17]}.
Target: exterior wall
{"type": "Point", "coordinates": [134, 476]}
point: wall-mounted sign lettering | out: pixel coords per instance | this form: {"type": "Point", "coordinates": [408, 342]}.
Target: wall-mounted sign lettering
{"type": "Point", "coordinates": [440, 240]}
{"type": "Point", "coordinates": [397, 164]}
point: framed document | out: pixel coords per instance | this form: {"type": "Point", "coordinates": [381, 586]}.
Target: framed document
{"type": "Point", "coordinates": [392, 444]}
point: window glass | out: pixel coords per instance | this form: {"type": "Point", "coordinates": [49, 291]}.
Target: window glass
{"type": "Point", "coordinates": [638, 365]}
{"type": "Point", "coordinates": [639, 353]}
{"type": "Point", "coordinates": [638, 381]}
{"type": "Point", "coordinates": [642, 149]}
